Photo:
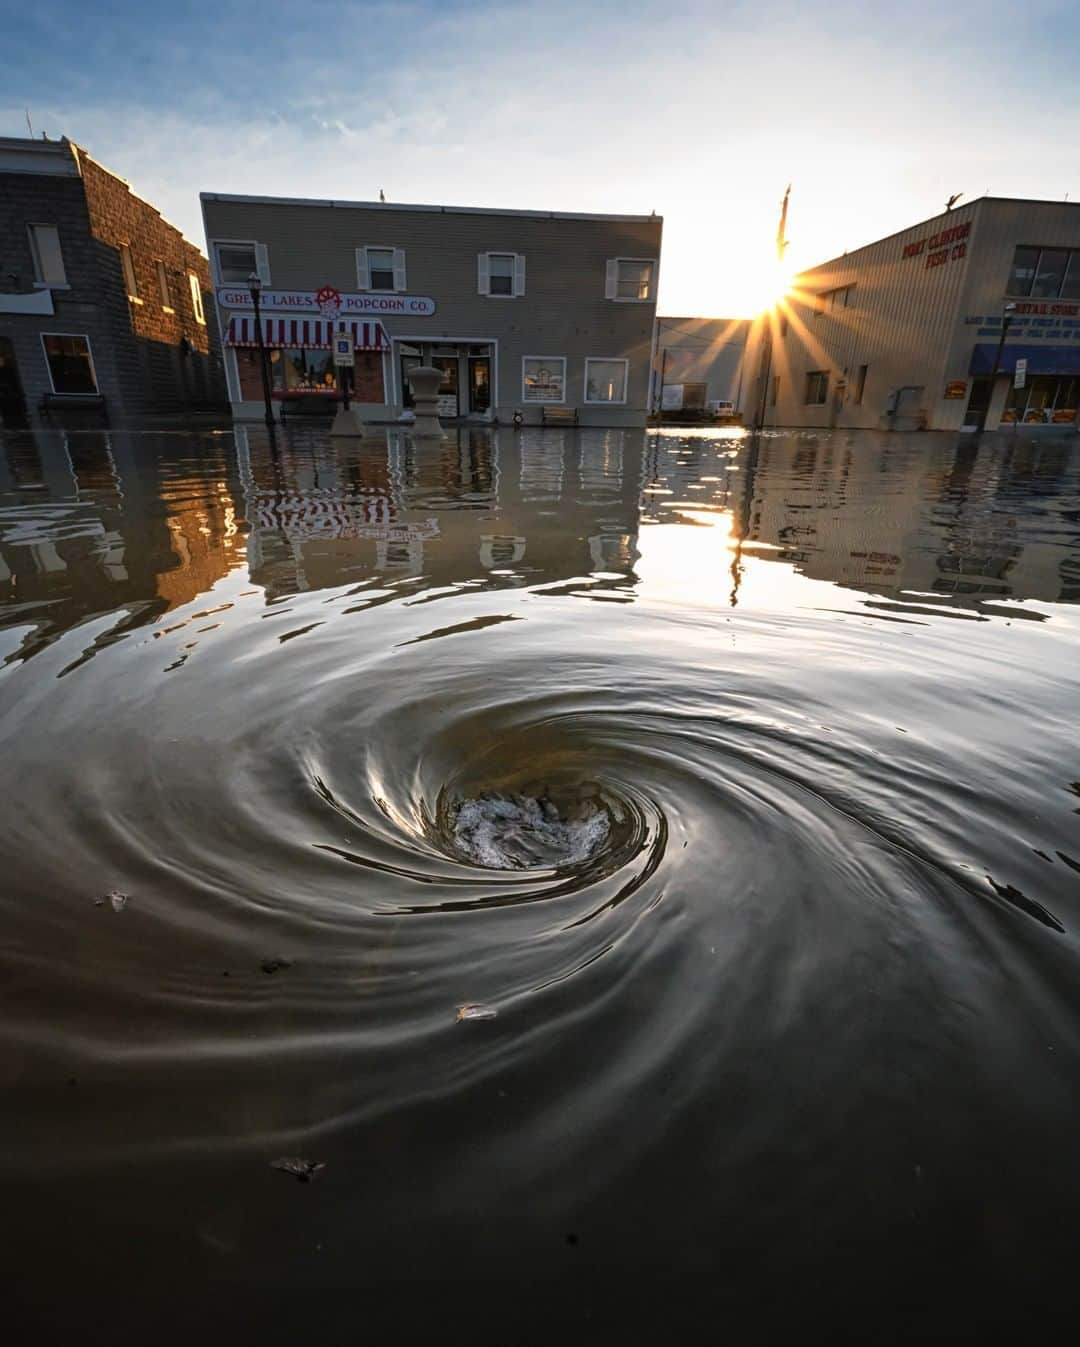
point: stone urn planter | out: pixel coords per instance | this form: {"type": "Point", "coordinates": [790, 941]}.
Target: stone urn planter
{"type": "Point", "coordinates": [424, 381]}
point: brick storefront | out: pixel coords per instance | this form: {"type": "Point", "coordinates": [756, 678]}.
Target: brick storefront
{"type": "Point", "coordinates": [148, 355]}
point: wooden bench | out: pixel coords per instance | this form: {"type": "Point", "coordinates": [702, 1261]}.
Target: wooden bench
{"type": "Point", "coordinates": [558, 416]}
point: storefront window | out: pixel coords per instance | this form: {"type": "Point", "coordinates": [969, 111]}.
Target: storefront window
{"type": "Point", "coordinates": [71, 366]}
{"type": "Point", "coordinates": [543, 378]}
{"type": "Point", "coordinates": [1047, 400]}
{"type": "Point", "coordinates": [308, 371]}
{"type": "Point", "coordinates": [605, 380]}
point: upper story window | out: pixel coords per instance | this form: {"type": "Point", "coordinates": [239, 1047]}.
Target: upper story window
{"type": "Point", "coordinates": [1045, 273]}
{"type": "Point", "coordinates": [128, 265]}
{"type": "Point", "coordinates": [817, 387]}
{"type": "Point", "coordinates": [630, 279]}
{"type": "Point", "coordinates": [237, 259]}
{"type": "Point", "coordinates": [196, 298]}
{"type": "Point", "coordinates": [48, 259]}
{"type": "Point", "coordinates": [500, 275]}
{"type": "Point", "coordinates": [163, 286]}
{"type": "Point", "coordinates": [379, 268]}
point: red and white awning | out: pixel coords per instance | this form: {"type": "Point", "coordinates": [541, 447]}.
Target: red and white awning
{"type": "Point", "coordinates": [311, 334]}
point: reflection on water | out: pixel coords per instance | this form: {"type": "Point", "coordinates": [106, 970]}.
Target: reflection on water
{"type": "Point", "coordinates": [731, 780]}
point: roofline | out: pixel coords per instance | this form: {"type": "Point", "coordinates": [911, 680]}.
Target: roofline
{"type": "Point", "coordinates": [434, 210]}
{"type": "Point", "coordinates": [919, 224]}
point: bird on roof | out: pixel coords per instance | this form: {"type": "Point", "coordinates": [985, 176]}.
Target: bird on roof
{"type": "Point", "coordinates": [952, 201]}
{"type": "Point", "coordinates": [382, 195]}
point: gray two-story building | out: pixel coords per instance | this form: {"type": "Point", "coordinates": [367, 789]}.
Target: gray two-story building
{"type": "Point", "coordinates": [537, 313]}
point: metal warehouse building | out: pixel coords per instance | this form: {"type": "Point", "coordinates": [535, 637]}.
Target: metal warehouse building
{"type": "Point", "coordinates": [904, 333]}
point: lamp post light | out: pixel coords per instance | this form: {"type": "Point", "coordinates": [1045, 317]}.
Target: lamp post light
{"type": "Point", "coordinates": [255, 287]}
{"type": "Point", "coordinates": [1007, 315]}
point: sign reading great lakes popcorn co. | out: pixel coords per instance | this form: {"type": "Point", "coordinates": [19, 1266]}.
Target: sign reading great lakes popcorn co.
{"type": "Point", "coordinates": [306, 302]}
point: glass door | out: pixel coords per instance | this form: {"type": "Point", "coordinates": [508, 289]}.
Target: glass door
{"type": "Point", "coordinates": [448, 389]}
{"type": "Point", "coordinates": [479, 383]}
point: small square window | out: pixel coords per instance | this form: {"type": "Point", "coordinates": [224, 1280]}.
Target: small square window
{"type": "Point", "coordinates": [543, 378]}
{"type": "Point", "coordinates": [605, 380]}
{"type": "Point", "coordinates": [71, 366]}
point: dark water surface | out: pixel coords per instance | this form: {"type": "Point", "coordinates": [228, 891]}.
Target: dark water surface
{"type": "Point", "coordinates": [787, 1052]}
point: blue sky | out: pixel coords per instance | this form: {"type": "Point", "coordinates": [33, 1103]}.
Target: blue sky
{"type": "Point", "coordinates": [876, 112]}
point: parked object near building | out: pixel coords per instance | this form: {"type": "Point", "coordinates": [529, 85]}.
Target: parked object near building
{"type": "Point", "coordinates": [903, 333]}
{"type": "Point", "coordinates": [522, 311]}
{"type": "Point", "coordinates": [103, 304]}
{"type": "Point", "coordinates": [699, 367]}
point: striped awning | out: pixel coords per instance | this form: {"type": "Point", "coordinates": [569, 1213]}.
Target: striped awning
{"type": "Point", "coordinates": [310, 334]}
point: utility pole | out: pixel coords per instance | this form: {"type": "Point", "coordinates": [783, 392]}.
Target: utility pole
{"type": "Point", "coordinates": [766, 358]}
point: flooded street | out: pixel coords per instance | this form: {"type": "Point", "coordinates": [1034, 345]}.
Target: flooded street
{"type": "Point", "coordinates": [644, 869]}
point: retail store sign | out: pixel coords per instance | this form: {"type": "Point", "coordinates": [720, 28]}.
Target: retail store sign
{"type": "Point", "coordinates": [305, 303]}
{"type": "Point", "coordinates": [1020, 373]}
{"type": "Point", "coordinates": [956, 388]}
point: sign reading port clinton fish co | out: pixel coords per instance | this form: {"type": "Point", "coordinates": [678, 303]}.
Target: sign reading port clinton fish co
{"type": "Point", "coordinates": [307, 302]}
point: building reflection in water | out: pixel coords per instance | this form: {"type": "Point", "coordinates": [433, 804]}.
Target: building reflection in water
{"type": "Point", "coordinates": [100, 523]}
{"type": "Point", "coordinates": [911, 521]}
{"type": "Point", "coordinates": [127, 527]}
{"type": "Point", "coordinates": [486, 507]}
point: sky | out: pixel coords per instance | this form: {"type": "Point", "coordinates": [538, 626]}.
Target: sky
{"type": "Point", "coordinates": [704, 112]}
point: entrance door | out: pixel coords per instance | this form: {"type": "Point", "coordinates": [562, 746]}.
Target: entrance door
{"type": "Point", "coordinates": [448, 389]}
{"type": "Point", "coordinates": [978, 402]}
{"type": "Point", "coordinates": [12, 401]}
{"type": "Point", "coordinates": [479, 383]}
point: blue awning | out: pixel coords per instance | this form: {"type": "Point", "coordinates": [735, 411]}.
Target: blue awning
{"type": "Point", "coordinates": [1041, 359]}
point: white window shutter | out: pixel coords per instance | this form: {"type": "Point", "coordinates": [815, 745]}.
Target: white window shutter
{"type": "Point", "coordinates": [363, 275]}
{"type": "Point", "coordinates": [399, 269]}
{"type": "Point", "coordinates": [519, 274]}
{"type": "Point", "coordinates": [611, 279]}
{"type": "Point", "coordinates": [483, 273]}
{"type": "Point", "coordinates": [262, 262]}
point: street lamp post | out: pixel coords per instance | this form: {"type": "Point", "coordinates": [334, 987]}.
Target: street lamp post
{"type": "Point", "coordinates": [255, 287]}
{"type": "Point", "coordinates": [1007, 315]}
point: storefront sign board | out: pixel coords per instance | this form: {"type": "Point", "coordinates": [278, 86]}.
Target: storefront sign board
{"type": "Point", "coordinates": [956, 388]}
{"type": "Point", "coordinates": [306, 303]}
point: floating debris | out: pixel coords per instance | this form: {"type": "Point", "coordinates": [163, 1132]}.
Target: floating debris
{"type": "Point", "coordinates": [115, 899]}
{"type": "Point", "coordinates": [307, 1171]}
{"type": "Point", "coordinates": [476, 1011]}
{"type": "Point", "coordinates": [275, 965]}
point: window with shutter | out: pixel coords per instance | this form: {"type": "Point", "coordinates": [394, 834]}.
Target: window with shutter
{"type": "Point", "coordinates": [380, 263]}
{"type": "Point", "coordinates": [501, 274]}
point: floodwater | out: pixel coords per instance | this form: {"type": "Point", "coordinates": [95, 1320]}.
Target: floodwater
{"type": "Point", "coordinates": [644, 870]}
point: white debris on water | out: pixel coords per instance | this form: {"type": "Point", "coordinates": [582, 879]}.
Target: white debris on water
{"type": "Point", "coordinates": [518, 832]}
{"type": "Point", "coordinates": [475, 1011]}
